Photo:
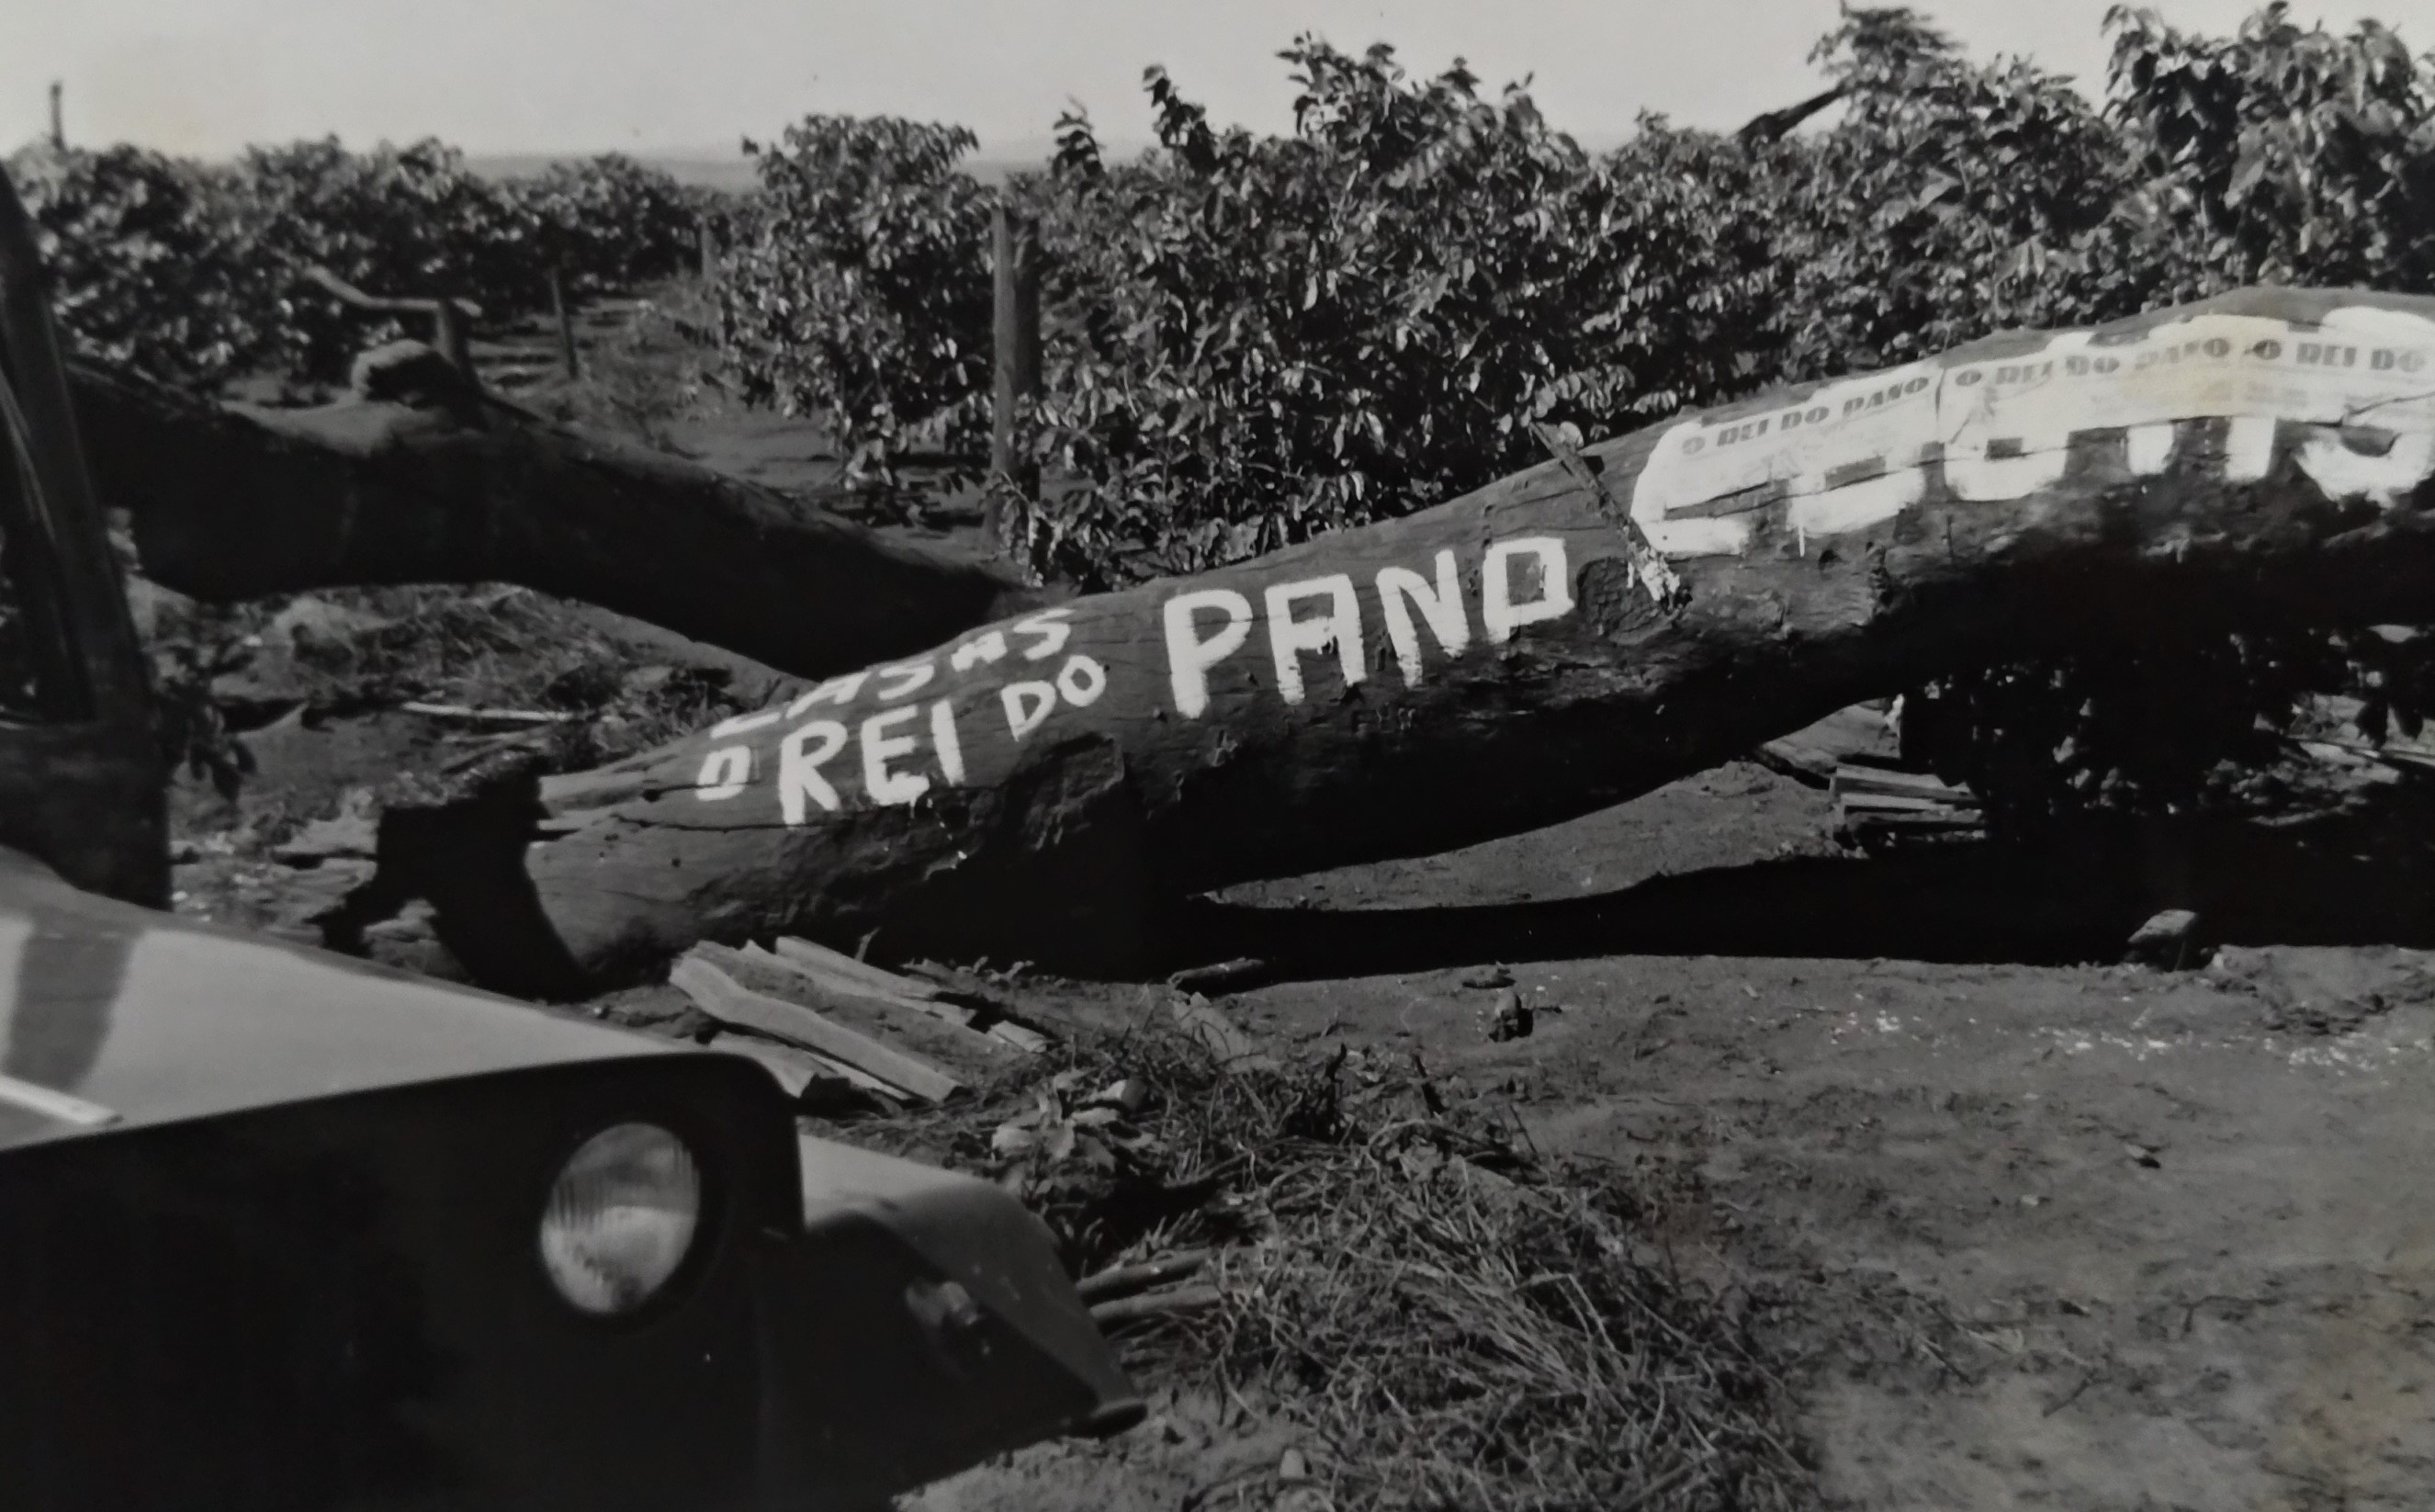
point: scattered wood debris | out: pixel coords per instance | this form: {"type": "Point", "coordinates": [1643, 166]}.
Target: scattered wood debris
{"type": "Point", "coordinates": [810, 1012]}
{"type": "Point", "coordinates": [1873, 804]}
{"type": "Point", "coordinates": [1200, 1018]}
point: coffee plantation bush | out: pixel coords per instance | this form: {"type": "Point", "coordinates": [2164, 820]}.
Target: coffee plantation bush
{"type": "Point", "coordinates": [191, 271]}
{"type": "Point", "coordinates": [1253, 339]}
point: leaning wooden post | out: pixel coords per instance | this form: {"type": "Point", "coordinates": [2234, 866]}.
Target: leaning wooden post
{"type": "Point", "coordinates": [1014, 258]}
{"type": "Point", "coordinates": [83, 788]}
{"type": "Point", "coordinates": [565, 323]}
{"type": "Point", "coordinates": [448, 317]}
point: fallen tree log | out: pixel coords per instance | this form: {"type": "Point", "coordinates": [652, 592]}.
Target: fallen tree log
{"type": "Point", "coordinates": [413, 482]}
{"type": "Point", "coordinates": [1560, 640]}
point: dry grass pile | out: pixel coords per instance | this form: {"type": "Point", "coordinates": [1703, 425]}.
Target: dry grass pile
{"type": "Point", "coordinates": [1456, 1321]}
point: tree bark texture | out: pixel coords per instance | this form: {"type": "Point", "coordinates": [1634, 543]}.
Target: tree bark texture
{"type": "Point", "coordinates": [1560, 640]}
{"type": "Point", "coordinates": [234, 502]}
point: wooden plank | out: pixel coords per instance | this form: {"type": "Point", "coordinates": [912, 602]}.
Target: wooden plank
{"type": "Point", "coordinates": [961, 1014]}
{"type": "Point", "coordinates": [1852, 779]}
{"type": "Point", "coordinates": [1888, 802]}
{"type": "Point", "coordinates": [805, 1075]}
{"type": "Point", "coordinates": [969, 1056]}
{"type": "Point", "coordinates": [1029, 1041]}
{"type": "Point", "coordinates": [821, 958]}
{"type": "Point", "coordinates": [729, 1002]}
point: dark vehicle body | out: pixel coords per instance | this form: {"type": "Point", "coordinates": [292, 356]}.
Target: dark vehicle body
{"type": "Point", "coordinates": [268, 1239]}
{"type": "Point", "coordinates": [271, 1219]}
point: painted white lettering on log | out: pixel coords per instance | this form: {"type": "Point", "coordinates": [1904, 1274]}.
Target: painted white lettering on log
{"type": "Point", "coordinates": [1048, 631]}
{"type": "Point", "coordinates": [972, 654]}
{"type": "Point", "coordinates": [950, 746]}
{"type": "Point", "coordinates": [1339, 628]}
{"type": "Point", "coordinates": [800, 758]}
{"type": "Point", "coordinates": [1081, 680]}
{"type": "Point", "coordinates": [1400, 591]}
{"type": "Point", "coordinates": [725, 771]}
{"type": "Point", "coordinates": [1027, 705]}
{"type": "Point", "coordinates": [904, 680]}
{"type": "Point", "coordinates": [838, 690]}
{"type": "Point", "coordinates": [1188, 656]}
{"type": "Point", "coordinates": [1500, 614]}
{"type": "Point", "coordinates": [1856, 453]}
{"type": "Point", "coordinates": [885, 786]}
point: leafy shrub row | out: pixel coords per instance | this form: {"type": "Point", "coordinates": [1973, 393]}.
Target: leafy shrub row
{"type": "Point", "coordinates": [1254, 339]}
{"type": "Point", "coordinates": [190, 272]}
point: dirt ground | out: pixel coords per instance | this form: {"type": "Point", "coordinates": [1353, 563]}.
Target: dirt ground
{"type": "Point", "coordinates": [2065, 1236]}
{"type": "Point", "coordinates": [2074, 1236]}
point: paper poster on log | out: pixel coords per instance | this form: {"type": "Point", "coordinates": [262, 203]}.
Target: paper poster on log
{"type": "Point", "coordinates": [1853, 454]}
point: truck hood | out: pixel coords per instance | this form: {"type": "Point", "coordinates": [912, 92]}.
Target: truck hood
{"type": "Point", "coordinates": [129, 1015]}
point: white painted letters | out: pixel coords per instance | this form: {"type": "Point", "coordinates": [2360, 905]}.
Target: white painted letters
{"type": "Point", "coordinates": [799, 768]}
{"type": "Point", "coordinates": [1082, 680]}
{"type": "Point", "coordinates": [839, 690]}
{"type": "Point", "coordinates": [904, 680]}
{"type": "Point", "coordinates": [1189, 656]}
{"type": "Point", "coordinates": [879, 748]}
{"type": "Point", "coordinates": [725, 770]}
{"type": "Point", "coordinates": [746, 723]}
{"type": "Point", "coordinates": [1341, 627]}
{"type": "Point", "coordinates": [1498, 614]}
{"type": "Point", "coordinates": [1027, 705]}
{"type": "Point", "coordinates": [1401, 590]}
{"type": "Point", "coordinates": [951, 747]}
{"type": "Point", "coordinates": [1048, 627]}
{"type": "Point", "coordinates": [972, 654]}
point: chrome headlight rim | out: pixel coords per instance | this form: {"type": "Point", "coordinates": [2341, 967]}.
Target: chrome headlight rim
{"type": "Point", "coordinates": [675, 1282]}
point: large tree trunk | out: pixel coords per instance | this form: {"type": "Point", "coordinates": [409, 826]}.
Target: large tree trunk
{"type": "Point", "coordinates": [230, 502]}
{"type": "Point", "coordinates": [1563, 640]}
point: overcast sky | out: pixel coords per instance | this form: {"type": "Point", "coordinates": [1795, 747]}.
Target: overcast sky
{"type": "Point", "coordinates": [521, 76]}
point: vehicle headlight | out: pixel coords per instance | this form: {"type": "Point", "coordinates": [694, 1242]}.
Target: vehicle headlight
{"type": "Point", "coordinates": [621, 1218]}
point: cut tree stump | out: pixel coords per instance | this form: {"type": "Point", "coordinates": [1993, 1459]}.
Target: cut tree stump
{"type": "Point", "coordinates": [1554, 643]}
{"type": "Point", "coordinates": [237, 502]}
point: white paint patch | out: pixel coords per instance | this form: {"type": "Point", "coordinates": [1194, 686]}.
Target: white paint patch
{"type": "Point", "coordinates": [1027, 705]}
{"type": "Point", "coordinates": [981, 649]}
{"type": "Point", "coordinates": [838, 690]}
{"type": "Point", "coordinates": [1401, 591]}
{"type": "Point", "coordinates": [1082, 680]}
{"type": "Point", "coordinates": [1048, 633]}
{"type": "Point", "coordinates": [2150, 447]}
{"type": "Point", "coordinates": [1339, 628]}
{"type": "Point", "coordinates": [1189, 656]}
{"type": "Point", "coordinates": [801, 754]}
{"type": "Point", "coordinates": [885, 785]}
{"type": "Point", "coordinates": [949, 745]}
{"type": "Point", "coordinates": [904, 680]}
{"type": "Point", "coordinates": [725, 772]}
{"type": "Point", "coordinates": [1854, 453]}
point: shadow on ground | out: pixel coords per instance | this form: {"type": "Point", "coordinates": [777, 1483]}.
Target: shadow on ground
{"type": "Point", "coordinates": [2359, 878]}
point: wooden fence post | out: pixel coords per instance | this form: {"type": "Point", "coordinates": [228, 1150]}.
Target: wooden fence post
{"type": "Point", "coordinates": [1014, 256]}
{"type": "Point", "coordinates": [58, 130]}
{"type": "Point", "coordinates": [565, 323]}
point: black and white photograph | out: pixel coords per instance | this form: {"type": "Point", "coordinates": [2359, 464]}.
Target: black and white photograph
{"type": "Point", "coordinates": [1279, 755]}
